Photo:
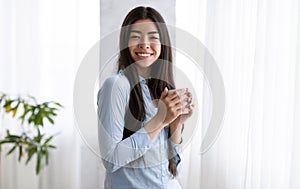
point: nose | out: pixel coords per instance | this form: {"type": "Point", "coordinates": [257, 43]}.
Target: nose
{"type": "Point", "coordinates": [144, 44]}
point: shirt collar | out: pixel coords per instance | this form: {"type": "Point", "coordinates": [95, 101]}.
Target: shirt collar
{"type": "Point", "coordinates": [141, 79]}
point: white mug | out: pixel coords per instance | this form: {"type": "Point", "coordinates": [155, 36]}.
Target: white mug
{"type": "Point", "coordinates": [185, 109]}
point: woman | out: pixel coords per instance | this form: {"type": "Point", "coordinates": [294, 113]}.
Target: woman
{"type": "Point", "coordinates": [140, 124]}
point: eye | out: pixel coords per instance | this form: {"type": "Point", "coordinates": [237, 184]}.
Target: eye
{"type": "Point", "coordinates": [134, 37]}
{"type": "Point", "coordinates": [154, 37]}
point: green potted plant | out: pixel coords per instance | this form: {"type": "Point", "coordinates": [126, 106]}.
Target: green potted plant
{"type": "Point", "coordinates": [31, 116]}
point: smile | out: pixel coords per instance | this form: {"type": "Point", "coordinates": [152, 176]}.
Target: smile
{"type": "Point", "coordinates": [144, 54]}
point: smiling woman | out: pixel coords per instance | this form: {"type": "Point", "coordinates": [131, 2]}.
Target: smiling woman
{"type": "Point", "coordinates": [140, 124]}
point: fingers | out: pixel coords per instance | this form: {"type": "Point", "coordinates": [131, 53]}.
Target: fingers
{"type": "Point", "coordinates": [179, 106]}
{"type": "Point", "coordinates": [190, 109]}
{"type": "Point", "coordinates": [175, 94]}
{"type": "Point", "coordinates": [164, 94]}
{"type": "Point", "coordinates": [176, 102]}
{"type": "Point", "coordinates": [179, 97]}
{"type": "Point", "coordinates": [187, 105]}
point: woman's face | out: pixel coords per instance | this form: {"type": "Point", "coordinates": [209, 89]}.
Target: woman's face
{"type": "Point", "coordinates": [144, 43]}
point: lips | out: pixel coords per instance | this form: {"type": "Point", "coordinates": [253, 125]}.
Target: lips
{"type": "Point", "coordinates": [144, 54]}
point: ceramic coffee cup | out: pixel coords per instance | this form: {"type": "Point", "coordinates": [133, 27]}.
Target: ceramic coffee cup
{"type": "Point", "coordinates": [181, 93]}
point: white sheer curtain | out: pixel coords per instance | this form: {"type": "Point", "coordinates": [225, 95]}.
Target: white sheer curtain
{"type": "Point", "coordinates": [42, 44]}
{"type": "Point", "coordinates": [256, 46]}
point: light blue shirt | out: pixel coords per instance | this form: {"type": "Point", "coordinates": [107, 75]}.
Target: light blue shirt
{"type": "Point", "coordinates": [137, 161]}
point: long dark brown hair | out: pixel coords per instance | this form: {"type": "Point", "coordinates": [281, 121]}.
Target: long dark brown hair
{"type": "Point", "coordinates": [161, 71]}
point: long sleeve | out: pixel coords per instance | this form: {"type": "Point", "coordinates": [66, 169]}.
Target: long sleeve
{"type": "Point", "coordinates": [177, 150]}
{"type": "Point", "coordinates": [112, 105]}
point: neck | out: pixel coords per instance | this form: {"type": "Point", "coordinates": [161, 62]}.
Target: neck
{"type": "Point", "coordinates": [144, 72]}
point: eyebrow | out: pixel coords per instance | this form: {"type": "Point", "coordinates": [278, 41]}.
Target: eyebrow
{"type": "Point", "coordinates": [152, 32]}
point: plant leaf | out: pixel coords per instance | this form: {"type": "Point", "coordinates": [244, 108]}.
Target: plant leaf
{"type": "Point", "coordinates": [12, 137]}
{"type": "Point", "coordinates": [20, 152]}
{"type": "Point", "coordinates": [26, 110]}
{"type": "Point", "coordinates": [11, 150]}
{"type": "Point", "coordinates": [30, 153]}
{"type": "Point", "coordinates": [6, 141]}
{"type": "Point", "coordinates": [3, 95]}
{"type": "Point", "coordinates": [50, 119]}
{"type": "Point", "coordinates": [48, 139]}
{"type": "Point", "coordinates": [7, 105]}
{"type": "Point", "coordinates": [7, 108]}
{"type": "Point", "coordinates": [58, 104]}
{"type": "Point", "coordinates": [47, 157]}
{"type": "Point", "coordinates": [38, 162]}
{"type": "Point", "coordinates": [14, 112]}
{"type": "Point", "coordinates": [51, 146]}
{"type": "Point", "coordinates": [15, 109]}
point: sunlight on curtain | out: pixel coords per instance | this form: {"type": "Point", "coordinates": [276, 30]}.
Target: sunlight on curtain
{"type": "Point", "coordinates": [275, 93]}
{"type": "Point", "coordinates": [191, 17]}
{"type": "Point", "coordinates": [42, 44]}
{"type": "Point", "coordinates": [256, 46]}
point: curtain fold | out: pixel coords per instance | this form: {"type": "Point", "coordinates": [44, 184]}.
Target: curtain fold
{"type": "Point", "coordinates": [42, 45]}
{"type": "Point", "coordinates": [256, 45]}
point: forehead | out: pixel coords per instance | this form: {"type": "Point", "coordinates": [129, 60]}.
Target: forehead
{"type": "Point", "coordinates": [144, 25]}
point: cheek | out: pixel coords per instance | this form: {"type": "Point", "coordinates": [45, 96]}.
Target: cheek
{"type": "Point", "coordinates": [131, 53]}
{"type": "Point", "coordinates": [130, 48]}
{"type": "Point", "coordinates": [158, 50]}
{"type": "Point", "coordinates": [132, 43]}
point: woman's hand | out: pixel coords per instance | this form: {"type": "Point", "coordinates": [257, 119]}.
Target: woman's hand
{"type": "Point", "coordinates": [189, 107]}
{"type": "Point", "coordinates": [177, 125]}
{"type": "Point", "coordinates": [170, 107]}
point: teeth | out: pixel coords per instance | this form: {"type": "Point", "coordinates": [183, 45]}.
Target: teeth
{"type": "Point", "coordinates": [142, 54]}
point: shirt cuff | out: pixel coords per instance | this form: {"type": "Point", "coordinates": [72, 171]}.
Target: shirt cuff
{"type": "Point", "coordinates": [141, 139]}
{"type": "Point", "coordinates": [176, 154]}
{"type": "Point", "coordinates": [176, 148]}
{"type": "Point", "coordinates": [177, 159]}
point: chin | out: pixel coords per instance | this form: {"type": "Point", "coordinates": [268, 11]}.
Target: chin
{"type": "Point", "coordinates": [143, 64]}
